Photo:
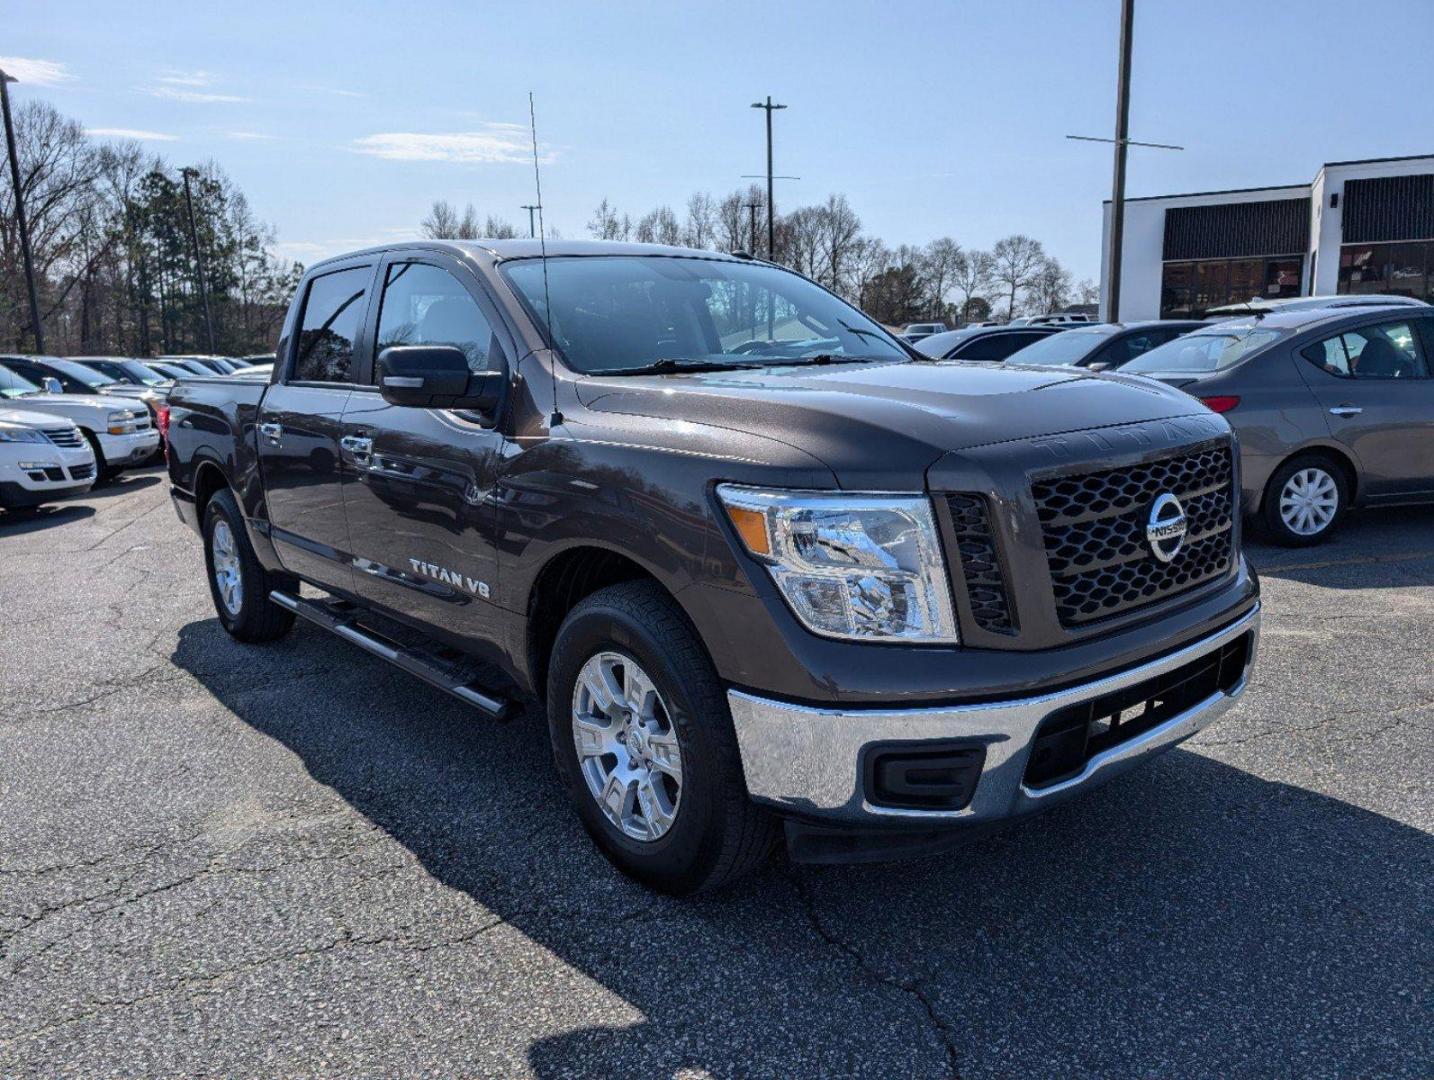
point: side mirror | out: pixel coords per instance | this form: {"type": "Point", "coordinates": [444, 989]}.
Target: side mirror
{"type": "Point", "coordinates": [436, 377]}
{"type": "Point", "coordinates": [52, 385]}
{"type": "Point", "coordinates": [1098, 365]}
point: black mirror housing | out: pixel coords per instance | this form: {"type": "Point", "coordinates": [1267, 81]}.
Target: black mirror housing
{"type": "Point", "coordinates": [436, 377]}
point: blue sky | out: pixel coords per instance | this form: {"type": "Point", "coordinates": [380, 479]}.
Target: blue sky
{"type": "Point", "coordinates": [343, 121]}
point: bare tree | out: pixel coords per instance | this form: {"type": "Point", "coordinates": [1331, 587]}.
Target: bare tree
{"type": "Point", "coordinates": [838, 229]}
{"type": "Point", "coordinates": [701, 229]}
{"type": "Point", "coordinates": [940, 261]}
{"type": "Point", "coordinates": [442, 221]}
{"type": "Point", "coordinates": [1015, 261]}
{"type": "Point", "coordinates": [496, 228]}
{"type": "Point", "coordinates": [1087, 292]}
{"type": "Point", "coordinates": [1050, 287]}
{"type": "Point", "coordinates": [605, 224]}
{"type": "Point", "coordinates": [658, 227]}
{"type": "Point", "coordinates": [971, 278]}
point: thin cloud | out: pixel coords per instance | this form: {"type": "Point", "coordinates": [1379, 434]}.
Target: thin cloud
{"type": "Point", "coordinates": [131, 133]}
{"type": "Point", "coordinates": [193, 97]}
{"type": "Point", "coordinates": [250, 136]}
{"type": "Point", "coordinates": [337, 91]}
{"type": "Point", "coordinates": [187, 78]}
{"type": "Point", "coordinates": [35, 72]}
{"type": "Point", "coordinates": [495, 144]}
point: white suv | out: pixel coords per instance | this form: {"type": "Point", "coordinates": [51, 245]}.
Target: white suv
{"type": "Point", "coordinates": [119, 432]}
{"type": "Point", "coordinates": [42, 458]}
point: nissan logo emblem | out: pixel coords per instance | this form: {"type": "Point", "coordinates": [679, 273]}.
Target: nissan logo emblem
{"type": "Point", "coordinates": [1165, 529]}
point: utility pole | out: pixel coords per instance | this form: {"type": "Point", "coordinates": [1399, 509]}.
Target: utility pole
{"type": "Point", "coordinates": [771, 203]}
{"type": "Point", "coordinates": [1122, 136]}
{"type": "Point", "coordinates": [187, 173]}
{"type": "Point", "coordinates": [751, 208]}
{"type": "Point", "coordinates": [39, 330]}
{"type": "Point", "coordinates": [1110, 293]}
{"type": "Point", "coordinates": [530, 207]}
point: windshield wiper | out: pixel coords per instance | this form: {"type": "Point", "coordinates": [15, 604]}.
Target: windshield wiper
{"type": "Point", "coordinates": [672, 363]}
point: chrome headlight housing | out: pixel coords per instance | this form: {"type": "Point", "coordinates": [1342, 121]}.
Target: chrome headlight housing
{"type": "Point", "coordinates": [122, 422]}
{"type": "Point", "coordinates": [864, 567]}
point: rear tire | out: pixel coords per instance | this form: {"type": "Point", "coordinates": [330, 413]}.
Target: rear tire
{"type": "Point", "coordinates": [711, 832]}
{"type": "Point", "coordinates": [240, 587]}
{"type": "Point", "coordinates": [1305, 501]}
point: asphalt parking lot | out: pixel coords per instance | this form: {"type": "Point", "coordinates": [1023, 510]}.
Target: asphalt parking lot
{"type": "Point", "coordinates": [217, 859]}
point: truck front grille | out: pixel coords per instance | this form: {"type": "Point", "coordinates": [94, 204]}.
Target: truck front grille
{"type": "Point", "coordinates": [1094, 529]}
{"type": "Point", "coordinates": [980, 564]}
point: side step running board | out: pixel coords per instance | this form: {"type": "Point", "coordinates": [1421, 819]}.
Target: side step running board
{"type": "Point", "coordinates": [342, 619]}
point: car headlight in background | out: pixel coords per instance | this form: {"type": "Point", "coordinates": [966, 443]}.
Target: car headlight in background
{"type": "Point", "coordinates": [17, 434]}
{"type": "Point", "coordinates": [121, 423]}
{"type": "Point", "coordinates": [864, 567]}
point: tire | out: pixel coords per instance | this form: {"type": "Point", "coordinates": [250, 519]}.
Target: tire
{"type": "Point", "coordinates": [1305, 501]}
{"type": "Point", "coordinates": [246, 613]}
{"type": "Point", "coordinates": [103, 473]}
{"type": "Point", "coordinates": [716, 833]}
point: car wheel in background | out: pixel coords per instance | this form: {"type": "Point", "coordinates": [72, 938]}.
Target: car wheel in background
{"type": "Point", "coordinates": [1305, 500]}
{"type": "Point", "coordinates": [239, 585]}
{"type": "Point", "coordinates": [644, 744]}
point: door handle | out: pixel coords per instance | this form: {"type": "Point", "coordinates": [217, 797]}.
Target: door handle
{"type": "Point", "coordinates": [1345, 410]}
{"type": "Point", "coordinates": [272, 431]}
{"type": "Point", "coordinates": [358, 446]}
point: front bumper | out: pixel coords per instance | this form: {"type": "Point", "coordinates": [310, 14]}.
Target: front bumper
{"type": "Point", "coordinates": [123, 451]}
{"type": "Point", "coordinates": [809, 762]}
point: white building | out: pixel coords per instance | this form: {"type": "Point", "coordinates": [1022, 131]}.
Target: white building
{"type": "Point", "coordinates": [1359, 226]}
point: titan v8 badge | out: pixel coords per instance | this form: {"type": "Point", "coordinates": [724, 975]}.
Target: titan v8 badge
{"type": "Point", "coordinates": [450, 577]}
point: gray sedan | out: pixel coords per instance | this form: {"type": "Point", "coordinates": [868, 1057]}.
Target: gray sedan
{"type": "Point", "coordinates": [1334, 408]}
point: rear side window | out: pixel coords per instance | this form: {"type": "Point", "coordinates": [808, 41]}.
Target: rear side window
{"type": "Point", "coordinates": [1386, 351]}
{"type": "Point", "coordinates": [333, 312]}
{"type": "Point", "coordinates": [425, 305]}
{"type": "Point", "coordinates": [994, 347]}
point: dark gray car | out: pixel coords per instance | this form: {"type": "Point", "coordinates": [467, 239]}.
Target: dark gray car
{"type": "Point", "coordinates": [1333, 408]}
{"type": "Point", "coordinates": [1102, 346]}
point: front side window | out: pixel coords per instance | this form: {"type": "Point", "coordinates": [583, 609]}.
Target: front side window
{"type": "Point", "coordinates": [333, 312]}
{"type": "Point", "coordinates": [425, 305]}
{"type": "Point", "coordinates": [1386, 351]}
{"type": "Point", "coordinates": [625, 312]}
{"type": "Point", "coordinates": [996, 347]}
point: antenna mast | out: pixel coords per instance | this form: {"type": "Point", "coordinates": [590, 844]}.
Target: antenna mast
{"type": "Point", "coordinates": [557, 417]}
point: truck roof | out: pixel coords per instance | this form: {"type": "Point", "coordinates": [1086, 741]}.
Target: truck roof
{"type": "Point", "coordinates": [502, 250]}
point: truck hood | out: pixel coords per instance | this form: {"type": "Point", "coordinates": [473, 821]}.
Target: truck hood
{"type": "Point", "coordinates": [88, 407]}
{"type": "Point", "coordinates": [880, 426]}
{"type": "Point", "coordinates": [32, 418]}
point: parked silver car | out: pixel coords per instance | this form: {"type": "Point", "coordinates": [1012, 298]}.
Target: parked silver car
{"type": "Point", "coordinates": [1333, 408]}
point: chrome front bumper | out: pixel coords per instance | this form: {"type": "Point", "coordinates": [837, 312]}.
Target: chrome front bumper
{"type": "Point", "coordinates": [807, 761]}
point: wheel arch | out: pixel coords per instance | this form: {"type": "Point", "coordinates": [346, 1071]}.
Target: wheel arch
{"type": "Point", "coordinates": [1340, 456]}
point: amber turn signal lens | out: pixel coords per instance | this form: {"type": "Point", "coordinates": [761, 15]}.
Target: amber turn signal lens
{"type": "Point", "coordinates": [751, 526]}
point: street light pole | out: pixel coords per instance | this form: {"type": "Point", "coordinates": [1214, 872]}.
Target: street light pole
{"type": "Point", "coordinates": [24, 227]}
{"type": "Point", "coordinates": [530, 207]}
{"type": "Point", "coordinates": [1122, 144]}
{"type": "Point", "coordinates": [188, 172]}
{"type": "Point", "coordinates": [771, 203]}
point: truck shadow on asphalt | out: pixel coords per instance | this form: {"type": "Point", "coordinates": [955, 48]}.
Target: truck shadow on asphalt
{"type": "Point", "coordinates": [42, 517]}
{"type": "Point", "coordinates": [1189, 918]}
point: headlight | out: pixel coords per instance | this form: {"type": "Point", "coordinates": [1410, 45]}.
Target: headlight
{"type": "Point", "coordinates": [16, 433]}
{"type": "Point", "coordinates": [121, 423]}
{"type": "Point", "coordinates": [866, 567]}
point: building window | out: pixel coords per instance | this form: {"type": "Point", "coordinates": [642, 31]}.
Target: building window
{"type": "Point", "coordinates": [1391, 269]}
{"type": "Point", "coordinates": [1189, 289]}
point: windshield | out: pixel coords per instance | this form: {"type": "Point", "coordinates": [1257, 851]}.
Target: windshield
{"type": "Point", "coordinates": [1202, 351]}
{"type": "Point", "coordinates": [1067, 347]}
{"type": "Point", "coordinates": [142, 373]}
{"type": "Point", "coordinates": [13, 386]}
{"type": "Point", "coordinates": [81, 374]}
{"type": "Point", "coordinates": [627, 312]}
{"type": "Point", "coordinates": [938, 345]}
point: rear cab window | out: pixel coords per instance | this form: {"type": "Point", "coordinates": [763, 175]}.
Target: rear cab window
{"type": "Point", "coordinates": [333, 313]}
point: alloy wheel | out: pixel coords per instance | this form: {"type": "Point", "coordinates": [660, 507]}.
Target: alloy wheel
{"type": "Point", "coordinates": [227, 575]}
{"type": "Point", "coordinates": [627, 746]}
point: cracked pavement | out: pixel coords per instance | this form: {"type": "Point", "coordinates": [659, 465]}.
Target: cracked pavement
{"type": "Point", "coordinates": [292, 859]}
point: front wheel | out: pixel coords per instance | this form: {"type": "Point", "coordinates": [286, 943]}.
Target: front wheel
{"type": "Point", "coordinates": [238, 583]}
{"type": "Point", "coordinates": [643, 741]}
{"type": "Point", "coordinates": [1305, 500]}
